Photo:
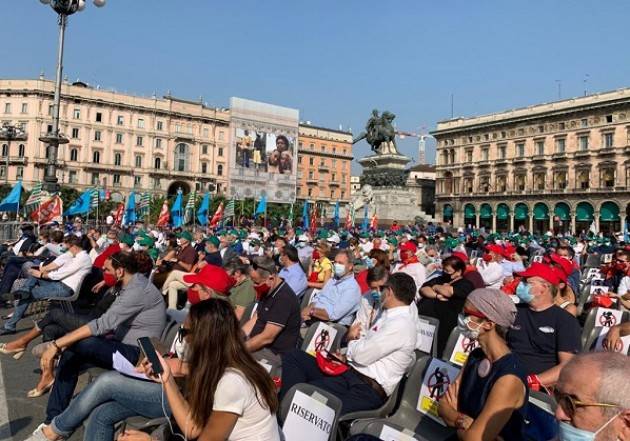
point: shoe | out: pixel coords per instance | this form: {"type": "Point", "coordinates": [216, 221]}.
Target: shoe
{"type": "Point", "coordinates": [16, 353]}
{"type": "Point", "coordinates": [38, 350]}
{"type": "Point", "coordinates": [4, 331]}
{"type": "Point", "coordinates": [8, 316]}
{"type": "Point", "coordinates": [38, 434]}
{"type": "Point", "coordinates": [34, 393]}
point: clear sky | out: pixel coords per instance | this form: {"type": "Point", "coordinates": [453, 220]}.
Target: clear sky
{"type": "Point", "coordinates": [335, 60]}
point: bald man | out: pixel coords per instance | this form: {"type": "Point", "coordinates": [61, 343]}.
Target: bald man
{"type": "Point", "coordinates": [593, 394]}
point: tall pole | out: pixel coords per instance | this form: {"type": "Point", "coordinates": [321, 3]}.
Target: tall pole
{"type": "Point", "coordinates": [6, 170]}
{"type": "Point", "coordinates": [54, 139]}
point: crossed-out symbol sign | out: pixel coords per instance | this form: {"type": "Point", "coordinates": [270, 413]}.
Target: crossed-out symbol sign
{"type": "Point", "coordinates": [438, 383]}
{"type": "Point", "coordinates": [607, 319]}
{"type": "Point", "coordinates": [468, 345]}
{"type": "Point", "coordinates": [321, 341]}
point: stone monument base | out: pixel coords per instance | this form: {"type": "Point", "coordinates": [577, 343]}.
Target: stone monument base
{"type": "Point", "coordinates": [395, 204]}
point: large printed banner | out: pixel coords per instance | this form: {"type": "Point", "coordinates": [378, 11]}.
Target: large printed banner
{"type": "Point", "coordinates": [263, 157]}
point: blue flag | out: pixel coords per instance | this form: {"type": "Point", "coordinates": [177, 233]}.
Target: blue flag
{"type": "Point", "coordinates": [82, 205]}
{"type": "Point", "coordinates": [366, 223]}
{"type": "Point", "coordinates": [262, 206]}
{"type": "Point", "coordinates": [130, 210]}
{"type": "Point", "coordinates": [177, 211]}
{"type": "Point", "coordinates": [626, 235]}
{"type": "Point", "coordinates": [306, 223]}
{"type": "Point", "coordinates": [12, 201]}
{"type": "Point", "coordinates": [202, 212]}
{"type": "Point", "coordinates": [336, 215]}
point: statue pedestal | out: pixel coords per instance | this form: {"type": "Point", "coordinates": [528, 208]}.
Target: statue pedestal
{"type": "Point", "coordinates": [385, 180]}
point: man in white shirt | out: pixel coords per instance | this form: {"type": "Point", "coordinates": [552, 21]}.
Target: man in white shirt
{"type": "Point", "coordinates": [376, 362]}
{"type": "Point", "coordinates": [490, 268]}
{"type": "Point", "coordinates": [61, 282]}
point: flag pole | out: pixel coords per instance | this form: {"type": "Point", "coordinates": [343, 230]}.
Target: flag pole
{"type": "Point", "coordinates": [98, 201]}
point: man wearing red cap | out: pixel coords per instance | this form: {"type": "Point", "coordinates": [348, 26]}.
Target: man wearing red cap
{"type": "Point", "coordinates": [490, 269]}
{"type": "Point", "coordinates": [544, 336]}
{"type": "Point", "coordinates": [409, 264]}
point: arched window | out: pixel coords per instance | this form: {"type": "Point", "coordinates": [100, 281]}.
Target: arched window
{"type": "Point", "coordinates": [21, 149]}
{"type": "Point", "coordinates": [74, 154]}
{"type": "Point", "coordinates": [220, 170]}
{"type": "Point", "coordinates": [182, 152]}
{"type": "Point", "coordinates": [117, 159]}
{"type": "Point", "coordinates": [96, 157]}
{"type": "Point", "coordinates": [157, 163]}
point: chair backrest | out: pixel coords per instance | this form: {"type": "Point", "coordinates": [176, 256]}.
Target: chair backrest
{"type": "Point", "coordinates": [458, 347]}
{"type": "Point", "coordinates": [427, 336]}
{"type": "Point", "coordinates": [384, 429]}
{"type": "Point", "coordinates": [306, 298]}
{"type": "Point", "coordinates": [408, 416]}
{"type": "Point", "coordinates": [592, 260]}
{"type": "Point", "coordinates": [598, 322]}
{"type": "Point", "coordinates": [169, 333]}
{"type": "Point", "coordinates": [541, 422]}
{"type": "Point", "coordinates": [308, 408]}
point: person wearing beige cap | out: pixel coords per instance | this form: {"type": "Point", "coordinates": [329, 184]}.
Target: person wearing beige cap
{"type": "Point", "coordinates": [488, 398]}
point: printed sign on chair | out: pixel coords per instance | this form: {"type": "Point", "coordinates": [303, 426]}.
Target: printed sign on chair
{"type": "Point", "coordinates": [437, 378]}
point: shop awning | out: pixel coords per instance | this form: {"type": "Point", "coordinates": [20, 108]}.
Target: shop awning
{"type": "Point", "coordinates": [469, 211]}
{"type": "Point", "coordinates": [584, 212]}
{"type": "Point", "coordinates": [485, 211]}
{"type": "Point", "coordinates": [562, 211]}
{"type": "Point", "coordinates": [541, 212]}
{"type": "Point", "coordinates": [609, 212]}
{"type": "Point", "coordinates": [521, 212]}
{"type": "Point", "coordinates": [503, 212]}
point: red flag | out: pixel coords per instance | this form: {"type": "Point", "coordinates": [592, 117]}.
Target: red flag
{"type": "Point", "coordinates": [217, 216]}
{"type": "Point", "coordinates": [165, 215]}
{"type": "Point", "coordinates": [374, 223]}
{"type": "Point", "coordinates": [313, 228]}
{"type": "Point", "coordinates": [49, 211]}
{"type": "Point", "coordinates": [118, 217]}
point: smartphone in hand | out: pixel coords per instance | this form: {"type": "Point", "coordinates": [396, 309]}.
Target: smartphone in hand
{"type": "Point", "coordinates": [149, 352]}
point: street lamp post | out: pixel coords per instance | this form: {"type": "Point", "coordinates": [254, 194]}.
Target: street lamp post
{"type": "Point", "coordinates": [53, 139]}
{"type": "Point", "coordinates": [8, 133]}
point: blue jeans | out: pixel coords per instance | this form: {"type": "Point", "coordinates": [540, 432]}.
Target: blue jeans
{"type": "Point", "coordinates": [111, 398]}
{"type": "Point", "coordinates": [38, 289]}
{"type": "Point", "coordinates": [89, 352]}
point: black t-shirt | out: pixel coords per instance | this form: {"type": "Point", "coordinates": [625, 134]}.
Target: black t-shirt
{"type": "Point", "coordinates": [280, 307]}
{"type": "Point", "coordinates": [214, 259]}
{"type": "Point", "coordinates": [537, 337]}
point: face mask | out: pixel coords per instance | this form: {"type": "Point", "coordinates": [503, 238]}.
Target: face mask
{"type": "Point", "coordinates": [463, 324]}
{"type": "Point", "coordinates": [316, 255]}
{"type": "Point", "coordinates": [369, 263]}
{"type": "Point", "coordinates": [179, 242]}
{"type": "Point", "coordinates": [262, 290]}
{"type": "Point", "coordinates": [137, 247]}
{"type": "Point", "coordinates": [523, 292]}
{"type": "Point", "coordinates": [41, 242]}
{"type": "Point", "coordinates": [300, 244]}
{"type": "Point", "coordinates": [566, 432]}
{"type": "Point", "coordinates": [340, 270]}
{"type": "Point", "coordinates": [193, 296]}
{"type": "Point", "coordinates": [375, 294]}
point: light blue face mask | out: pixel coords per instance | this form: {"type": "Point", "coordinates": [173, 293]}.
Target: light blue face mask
{"type": "Point", "coordinates": [376, 296]}
{"type": "Point", "coordinates": [523, 292]}
{"type": "Point", "coordinates": [566, 432]}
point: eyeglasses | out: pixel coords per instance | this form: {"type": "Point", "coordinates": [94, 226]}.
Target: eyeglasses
{"type": "Point", "coordinates": [569, 404]}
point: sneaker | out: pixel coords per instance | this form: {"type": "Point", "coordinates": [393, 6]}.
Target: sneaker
{"type": "Point", "coordinates": [38, 434]}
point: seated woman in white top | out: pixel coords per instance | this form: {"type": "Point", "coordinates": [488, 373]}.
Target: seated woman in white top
{"type": "Point", "coordinates": [230, 396]}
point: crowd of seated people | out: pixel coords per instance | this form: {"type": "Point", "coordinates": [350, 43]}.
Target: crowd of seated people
{"type": "Point", "coordinates": [244, 300]}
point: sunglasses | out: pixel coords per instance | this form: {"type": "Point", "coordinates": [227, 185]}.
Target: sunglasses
{"type": "Point", "coordinates": [181, 333]}
{"type": "Point", "coordinates": [570, 404]}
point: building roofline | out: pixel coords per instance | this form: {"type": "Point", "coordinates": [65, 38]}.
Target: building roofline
{"type": "Point", "coordinates": [533, 111]}
{"type": "Point", "coordinates": [311, 126]}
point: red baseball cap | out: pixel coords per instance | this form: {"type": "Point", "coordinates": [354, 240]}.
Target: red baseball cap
{"type": "Point", "coordinates": [560, 273]}
{"type": "Point", "coordinates": [494, 248]}
{"type": "Point", "coordinates": [508, 251]}
{"type": "Point", "coordinates": [212, 276]}
{"type": "Point", "coordinates": [460, 255]}
{"type": "Point", "coordinates": [541, 270]}
{"type": "Point", "coordinates": [565, 264]}
{"type": "Point", "coordinates": [408, 246]}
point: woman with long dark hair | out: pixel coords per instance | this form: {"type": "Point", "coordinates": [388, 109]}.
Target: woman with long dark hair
{"type": "Point", "coordinates": [227, 394]}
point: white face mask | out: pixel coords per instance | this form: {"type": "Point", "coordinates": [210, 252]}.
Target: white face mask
{"type": "Point", "coordinates": [340, 270]}
{"type": "Point", "coordinates": [567, 432]}
{"type": "Point", "coordinates": [179, 242]}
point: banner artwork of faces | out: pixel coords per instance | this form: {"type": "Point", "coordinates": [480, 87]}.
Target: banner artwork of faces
{"type": "Point", "coordinates": [264, 151]}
